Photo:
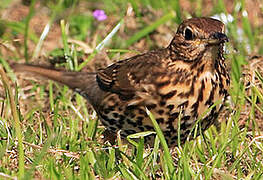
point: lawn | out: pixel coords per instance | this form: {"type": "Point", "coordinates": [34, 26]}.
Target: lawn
{"type": "Point", "coordinates": [49, 132]}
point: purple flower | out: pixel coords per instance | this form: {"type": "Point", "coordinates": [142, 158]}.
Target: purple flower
{"type": "Point", "coordinates": [99, 15]}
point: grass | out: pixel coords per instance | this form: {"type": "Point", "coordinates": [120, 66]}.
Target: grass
{"type": "Point", "coordinates": [49, 132]}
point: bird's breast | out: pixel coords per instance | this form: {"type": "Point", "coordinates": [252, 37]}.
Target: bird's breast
{"type": "Point", "coordinates": [190, 95]}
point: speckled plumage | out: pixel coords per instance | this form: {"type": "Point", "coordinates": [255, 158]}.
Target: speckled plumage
{"type": "Point", "coordinates": [185, 78]}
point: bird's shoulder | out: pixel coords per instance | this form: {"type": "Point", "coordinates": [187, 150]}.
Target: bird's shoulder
{"type": "Point", "coordinates": [130, 75]}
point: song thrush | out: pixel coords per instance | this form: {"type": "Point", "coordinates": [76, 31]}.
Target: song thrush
{"type": "Point", "coordinates": [187, 78]}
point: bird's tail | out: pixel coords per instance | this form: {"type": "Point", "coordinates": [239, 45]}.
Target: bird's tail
{"type": "Point", "coordinates": [81, 82]}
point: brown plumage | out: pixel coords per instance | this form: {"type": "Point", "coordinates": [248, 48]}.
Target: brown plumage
{"type": "Point", "coordinates": [185, 78]}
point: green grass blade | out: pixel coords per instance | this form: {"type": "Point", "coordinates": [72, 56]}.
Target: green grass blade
{"type": "Point", "coordinates": [92, 128]}
{"type": "Point", "coordinates": [51, 96]}
{"type": "Point", "coordinates": [149, 29]}
{"type": "Point", "coordinates": [136, 168]}
{"type": "Point", "coordinates": [135, 7]}
{"type": "Point", "coordinates": [126, 173]}
{"type": "Point", "coordinates": [176, 6]}
{"type": "Point", "coordinates": [28, 18]}
{"type": "Point", "coordinates": [160, 135]}
{"type": "Point", "coordinates": [139, 155]}
{"type": "Point", "coordinates": [65, 44]}
{"type": "Point", "coordinates": [21, 160]}
{"type": "Point", "coordinates": [112, 159]}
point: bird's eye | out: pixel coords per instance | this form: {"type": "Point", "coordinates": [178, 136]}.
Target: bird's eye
{"type": "Point", "coordinates": [188, 34]}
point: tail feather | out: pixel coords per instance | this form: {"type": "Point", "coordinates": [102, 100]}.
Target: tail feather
{"type": "Point", "coordinates": [82, 82]}
{"type": "Point", "coordinates": [70, 79]}
{"type": "Point", "coordinates": [39, 70]}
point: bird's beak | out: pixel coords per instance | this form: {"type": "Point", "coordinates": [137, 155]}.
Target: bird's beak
{"type": "Point", "coordinates": [217, 38]}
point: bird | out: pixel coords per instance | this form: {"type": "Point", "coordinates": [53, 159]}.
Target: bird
{"type": "Point", "coordinates": [183, 85]}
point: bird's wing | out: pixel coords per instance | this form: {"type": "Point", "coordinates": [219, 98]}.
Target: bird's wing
{"type": "Point", "coordinates": [134, 75]}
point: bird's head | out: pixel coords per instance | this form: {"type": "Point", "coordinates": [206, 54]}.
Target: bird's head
{"type": "Point", "coordinates": [195, 36]}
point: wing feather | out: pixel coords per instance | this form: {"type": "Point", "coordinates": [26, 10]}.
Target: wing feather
{"type": "Point", "coordinates": [131, 76]}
